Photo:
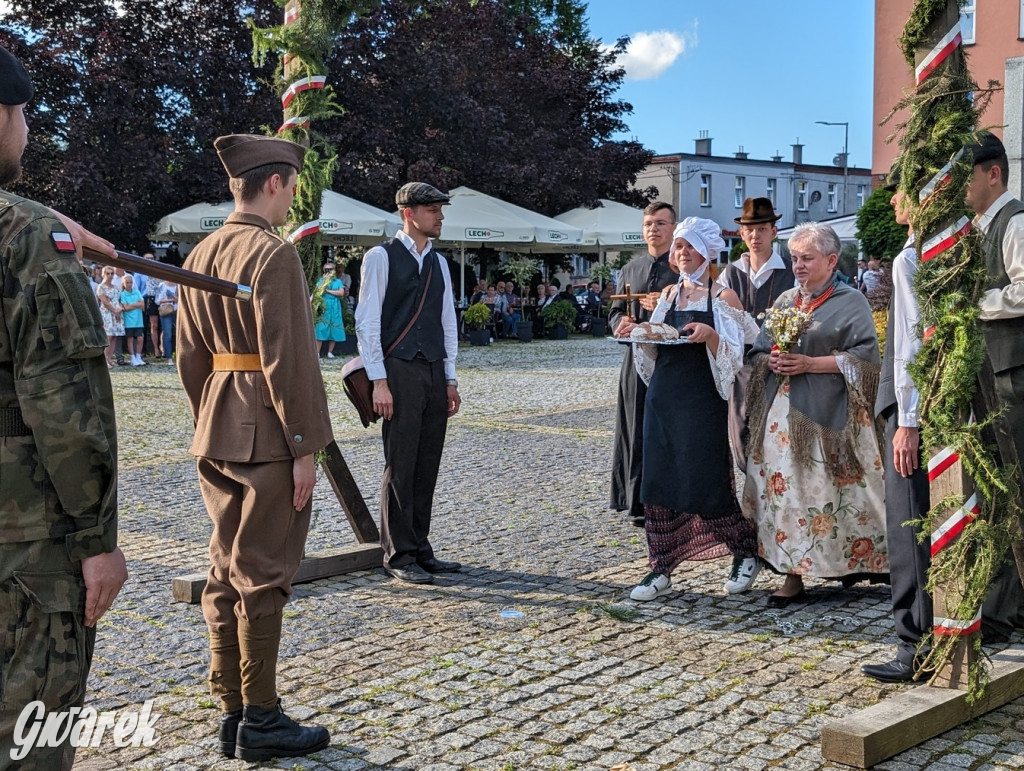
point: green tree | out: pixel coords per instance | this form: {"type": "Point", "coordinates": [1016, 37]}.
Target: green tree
{"type": "Point", "coordinates": [879, 233]}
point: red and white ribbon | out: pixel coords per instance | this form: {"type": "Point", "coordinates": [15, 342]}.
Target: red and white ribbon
{"type": "Point", "coordinates": [938, 54]}
{"type": "Point", "coordinates": [937, 244]}
{"type": "Point", "coordinates": [298, 122]}
{"type": "Point", "coordinates": [304, 84]}
{"type": "Point", "coordinates": [946, 533]}
{"type": "Point", "coordinates": [950, 627]}
{"type": "Point", "coordinates": [304, 230]}
{"type": "Point", "coordinates": [291, 14]}
{"type": "Point", "coordinates": [941, 177]}
{"type": "Point", "coordinates": [941, 461]}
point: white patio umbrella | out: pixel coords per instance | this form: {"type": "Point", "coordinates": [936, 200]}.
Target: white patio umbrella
{"type": "Point", "coordinates": [343, 220]}
{"type": "Point", "coordinates": [610, 224]}
{"type": "Point", "coordinates": [477, 218]}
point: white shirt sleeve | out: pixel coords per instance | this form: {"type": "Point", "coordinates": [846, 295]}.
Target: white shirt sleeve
{"type": "Point", "coordinates": [373, 284]}
{"type": "Point", "coordinates": [727, 362]}
{"type": "Point", "coordinates": [1008, 302]}
{"type": "Point", "coordinates": [905, 341]}
{"type": "Point", "coordinates": [449, 321]}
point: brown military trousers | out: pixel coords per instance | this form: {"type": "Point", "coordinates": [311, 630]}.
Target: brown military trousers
{"type": "Point", "coordinates": [45, 649]}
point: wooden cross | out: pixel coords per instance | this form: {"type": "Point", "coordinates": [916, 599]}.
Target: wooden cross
{"type": "Point", "coordinates": [630, 297]}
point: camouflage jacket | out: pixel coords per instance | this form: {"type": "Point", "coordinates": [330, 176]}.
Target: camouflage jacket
{"type": "Point", "coordinates": [58, 471]}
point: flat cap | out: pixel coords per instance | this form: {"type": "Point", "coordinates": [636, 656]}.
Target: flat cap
{"type": "Point", "coordinates": [420, 194]}
{"type": "Point", "coordinates": [15, 84]}
{"type": "Point", "coordinates": [987, 148]}
{"type": "Point", "coordinates": [244, 152]}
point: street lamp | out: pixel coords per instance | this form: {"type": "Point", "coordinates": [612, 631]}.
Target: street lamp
{"type": "Point", "coordinates": [846, 155]}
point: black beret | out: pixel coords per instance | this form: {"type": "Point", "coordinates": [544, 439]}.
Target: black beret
{"type": "Point", "coordinates": [988, 148]}
{"type": "Point", "coordinates": [892, 182]}
{"type": "Point", "coordinates": [420, 194]}
{"type": "Point", "coordinates": [15, 84]}
{"type": "Point", "coordinates": [244, 152]}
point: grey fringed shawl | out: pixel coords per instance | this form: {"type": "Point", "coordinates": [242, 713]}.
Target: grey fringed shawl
{"type": "Point", "coordinates": [826, 408]}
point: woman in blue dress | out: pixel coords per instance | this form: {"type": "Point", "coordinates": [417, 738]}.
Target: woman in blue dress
{"type": "Point", "coordinates": [330, 326]}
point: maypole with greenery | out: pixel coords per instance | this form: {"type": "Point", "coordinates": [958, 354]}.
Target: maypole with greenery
{"type": "Point", "coordinates": [973, 526]}
{"type": "Point", "coordinates": [305, 41]}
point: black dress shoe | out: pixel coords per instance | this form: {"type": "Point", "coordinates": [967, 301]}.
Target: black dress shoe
{"type": "Point", "coordinates": [781, 601]}
{"type": "Point", "coordinates": [895, 671]}
{"type": "Point", "coordinates": [269, 733]}
{"type": "Point", "coordinates": [229, 732]}
{"type": "Point", "coordinates": [434, 565]}
{"type": "Point", "coordinates": [411, 573]}
{"type": "Point", "coordinates": [637, 521]}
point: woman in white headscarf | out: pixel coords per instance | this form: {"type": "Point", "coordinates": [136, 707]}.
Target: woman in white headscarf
{"type": "Point", "coordinates": [687, 485]}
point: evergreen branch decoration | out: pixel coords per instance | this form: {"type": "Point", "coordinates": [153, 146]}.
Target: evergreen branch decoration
{"type": "Point", "coordinates": [943, 120]}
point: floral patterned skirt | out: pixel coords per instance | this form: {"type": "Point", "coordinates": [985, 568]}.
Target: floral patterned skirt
{"type": "Point", "coordinates": [807, 522]}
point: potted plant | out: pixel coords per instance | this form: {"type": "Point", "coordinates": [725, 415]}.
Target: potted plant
{"type": "Point", "coordinates": [476, 317]}
{"type": "Point", "coordinates": [559, 317]}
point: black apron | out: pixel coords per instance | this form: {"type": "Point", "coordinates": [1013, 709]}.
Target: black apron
{"type": "Point", "coordinates": [686, 461]}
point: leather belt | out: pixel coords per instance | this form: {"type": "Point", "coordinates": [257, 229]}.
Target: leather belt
{"type": "Point", "coordinates": [12, 423]}
{"type": "Point", "coordinates": [236, 362]}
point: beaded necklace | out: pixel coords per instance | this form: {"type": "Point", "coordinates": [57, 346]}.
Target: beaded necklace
{"type": "Point", "coordinates": [816, 303]}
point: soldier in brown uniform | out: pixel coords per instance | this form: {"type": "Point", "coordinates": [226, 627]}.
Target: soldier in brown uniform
{"type": "Point", "coordinates": [60, 567]}
{"type": "Point", "coordinates": [252, 377]}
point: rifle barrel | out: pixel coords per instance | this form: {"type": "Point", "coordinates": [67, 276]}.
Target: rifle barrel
{"type": "Point", "coordinates": [162, 270]}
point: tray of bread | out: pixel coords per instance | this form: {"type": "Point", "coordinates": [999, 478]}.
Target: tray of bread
{"type": "Point", "coordinates": [655, 333]}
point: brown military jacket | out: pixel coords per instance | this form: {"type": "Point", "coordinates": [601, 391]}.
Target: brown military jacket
{"type": "Point", "coordinates": [254, 417]}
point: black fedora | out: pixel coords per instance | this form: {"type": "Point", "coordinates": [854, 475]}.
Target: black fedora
{"type": "Point", "coordinates": [756, 211]}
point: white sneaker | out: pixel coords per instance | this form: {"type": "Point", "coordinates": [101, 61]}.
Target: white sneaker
{"type": "Point", "coordinates": [741, 577]}
{"type": "Point", "coordinates": [330, 355]}
{"type": "Point", "coordinates": [653, 586]}
{"type": "Point", "coordinates": [136, 362]}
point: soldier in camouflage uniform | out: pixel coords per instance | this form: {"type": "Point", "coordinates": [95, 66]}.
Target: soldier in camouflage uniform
{"type": "Point", "coordinates": [60, 567]}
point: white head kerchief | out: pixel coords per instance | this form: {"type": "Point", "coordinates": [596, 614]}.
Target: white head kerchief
{"type": "Point", "coordinates": [706, 237]}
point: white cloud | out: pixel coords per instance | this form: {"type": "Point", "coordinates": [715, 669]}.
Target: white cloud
{"type": "Point", "coordinates": [650, 54]}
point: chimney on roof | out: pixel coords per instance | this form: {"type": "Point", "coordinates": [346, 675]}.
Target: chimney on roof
{"type": "Point", "coordinates": [703, 143]}
{"type": "Point", "coordinates": [777, 158]}
{"type": "Point", "coordinates": [798, 152]}
{"type": "Point", "coordinates": [740, 154]}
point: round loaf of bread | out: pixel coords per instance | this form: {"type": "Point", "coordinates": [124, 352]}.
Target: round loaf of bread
{"type": "Point", "coordinates": [654, 332]}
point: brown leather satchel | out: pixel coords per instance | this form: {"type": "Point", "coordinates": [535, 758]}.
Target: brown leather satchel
{"type": "Point", "coordinates": [358, 387]}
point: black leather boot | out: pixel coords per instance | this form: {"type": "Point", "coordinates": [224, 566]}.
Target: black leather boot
{"type": "Point", "coordinates": [269, 733]}
{"type": "Point", "coordinates": [229, 731]}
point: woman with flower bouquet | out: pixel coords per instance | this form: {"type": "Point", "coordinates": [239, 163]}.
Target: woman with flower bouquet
{"type": "Point", "coordinates": [814, 468]}
{"type": "Point", "coordinates": [690, 506]}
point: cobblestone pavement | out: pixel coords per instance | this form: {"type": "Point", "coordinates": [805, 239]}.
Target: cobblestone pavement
{"type": "Point", "coordinates": [533, 657]}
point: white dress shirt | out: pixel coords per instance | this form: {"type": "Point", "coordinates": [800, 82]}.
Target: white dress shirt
{"type": "Point", "coordinates": [905, 341]}
{"type": "Point", "coordinates": [1008, 302]}
{"type": "Point", "coordinates": [374, 284]}
{"type": "Point", "coordinates": [760, 277]}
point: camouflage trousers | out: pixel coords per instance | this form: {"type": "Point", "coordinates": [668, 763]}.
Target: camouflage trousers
{"type": "Point", "coordinates": [45, 650]}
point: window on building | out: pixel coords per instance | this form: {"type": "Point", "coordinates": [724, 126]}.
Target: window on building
{"type": "Point", "coordinates": [967, 21]}
{"type": "Point", "coordinates": [705, 189]}
{"type": "Point", "coordinates": [833, 205]}
{"type": "Point", "coordinates": [801, 196]}
{"type": "Point", "coordinates": [770, 191]}
{"type": "Point", "coordinates": [741, 191]}
{"type": "Point", "coordinates": [860, 188]}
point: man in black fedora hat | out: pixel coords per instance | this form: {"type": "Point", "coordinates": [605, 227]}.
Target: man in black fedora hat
{"type": "Point", "coordinates": [760, 275]}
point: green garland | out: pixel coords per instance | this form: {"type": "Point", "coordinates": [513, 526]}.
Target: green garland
{"type": "Point", "coordinates": [943, 119]}
{"type": "Point", "coordinates": [310, 41]}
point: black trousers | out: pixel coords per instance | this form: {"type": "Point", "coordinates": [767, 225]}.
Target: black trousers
{"type": "Point", "coordinates": [906, 498]}
{"type": "Point", "coordinates": [413, 443]}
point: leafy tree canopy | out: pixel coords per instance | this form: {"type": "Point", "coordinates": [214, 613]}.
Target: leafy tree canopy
{"type": "Point", "coordinates": [879, 233]}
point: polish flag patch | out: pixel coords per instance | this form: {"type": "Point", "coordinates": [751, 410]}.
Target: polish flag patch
{"type": "Point", "coordinates": [63, 242]}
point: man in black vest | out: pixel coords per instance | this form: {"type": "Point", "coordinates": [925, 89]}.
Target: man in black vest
{"type": "Point", "coordinates": [760, 275]}
{"type": "Point", "coordinates": [906, 480]}
{"type": "Point", "coordinates": [406, 298]}
{"type": "Point", "coordinates": [646, 274]}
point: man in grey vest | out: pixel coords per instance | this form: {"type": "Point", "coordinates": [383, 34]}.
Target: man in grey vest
{"type": "Point", "coordinates": [645, 274]}
{"type": "Point", "coordinates": [759, 276]}
{"type": "Point", "coordinates": [414, 385]}
{"type": "Point", "coordinates": [906, 481]}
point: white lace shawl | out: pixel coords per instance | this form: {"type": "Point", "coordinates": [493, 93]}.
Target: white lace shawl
{"type": "Point", "coordinates": [734, 327]}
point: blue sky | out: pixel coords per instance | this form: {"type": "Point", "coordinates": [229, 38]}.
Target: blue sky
{"type": "Point", "coordinates": [752, 73]}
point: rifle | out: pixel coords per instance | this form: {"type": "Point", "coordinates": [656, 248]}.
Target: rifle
{"type": "Point", "coordinates": [135, 263]}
